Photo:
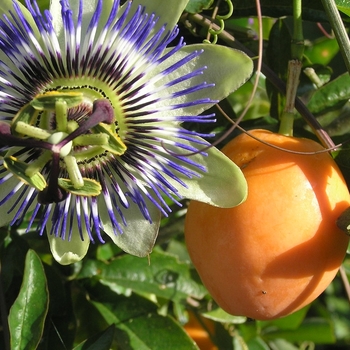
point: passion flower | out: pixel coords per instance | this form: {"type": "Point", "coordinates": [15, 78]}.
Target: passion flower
{"type": "Point", "coordinates": [91, 103]}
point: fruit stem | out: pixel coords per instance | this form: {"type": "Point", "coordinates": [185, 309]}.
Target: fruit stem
{"type": "Point", "coordinates": [294, 69]}
{"type": "Point", "coordinates": [287, 117]}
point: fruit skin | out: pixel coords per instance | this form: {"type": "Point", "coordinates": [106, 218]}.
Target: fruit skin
{"type": "Point", "coordinates": [280, 249]}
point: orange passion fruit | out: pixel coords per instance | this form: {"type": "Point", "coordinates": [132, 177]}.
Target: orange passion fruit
{"type": "Point", "coordinates": [198, 333]}
{"type": "Point", "coordinates": [281, 248]}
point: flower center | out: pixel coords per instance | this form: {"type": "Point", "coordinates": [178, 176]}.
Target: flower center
{"type": "Point", "coordinates": [65, 129]}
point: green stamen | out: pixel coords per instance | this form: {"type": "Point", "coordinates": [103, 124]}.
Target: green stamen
{"type": "Point", "coordinates": [31, 131]}
{"type": "Point", "coordinates": [74, 172]}
{"type": "Point", "coordinates": [61, 115]}
{"type": "Point", "coordinates": [37, 165]}
{"type": "Point", "coordinates": [90, 153]}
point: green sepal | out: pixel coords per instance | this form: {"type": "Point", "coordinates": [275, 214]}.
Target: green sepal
{"type": "Point", "coordinates": [139, 235]}
{"type": "Point", "coordinates": [222, 185]}
{"type": "Point", "coordinates": [69, 251]}
{"type": "Point", "coordinates": [115, 145]}
{"type": "Point", "coordinates": [19, 168]}
{"type": "Point", "coordinates": [233, 70]}
{"type": "Point", "coordinates": [162, 9]}
{"type": "Point", "coordinates": [90, 188]}
{"type": "Point", "coordinates": [48, 100]}
{"type": "Point", "coordinates": [27, 114]}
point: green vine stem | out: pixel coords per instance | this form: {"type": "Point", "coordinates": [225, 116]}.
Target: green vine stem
{"type": "Point", "coordinates": [220, 19]}
{"type": "Point", "coordinates": [339, 29]}
{"type": "Point", "coordinates": [298, 36]}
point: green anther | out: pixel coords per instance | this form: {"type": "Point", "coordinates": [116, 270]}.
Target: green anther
{"type": "Point", "coordinates": [61, 114]}
{"type": "Point", "coordinates": [31, 131]}
{"type": "Point", "coordinates": [74, 172]}
{"type": "Point", "coordinates": [38, 164]}
{"type": "Point", "coordinates": [91, 139]}
{"type": "Point", "coordinates": [27, 114]}
{"type": "Point", "coordinates": [115, 145]}
{"type": "Point", "coordinates": [56, 138]}
{"type": "Point", "coordinates": [90, 188]}
{"type": "Point", "coordinates": [47, 101]}
{"type": "Point", "coordinates": [19, 168]}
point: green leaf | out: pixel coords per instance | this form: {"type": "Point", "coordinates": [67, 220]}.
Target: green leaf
{"type": "Point", "coordinates": [317, 330]}
{"type": "Point", "coordinates": [219, 315]}
{"type": "Point", "coordinates": [139, 326]}
{"type": "Point", "coordinates": [163, 275]}
{"type": "Point", "coordinates": [290, 322]}
{"type": "Point", "coordinates": [196, 6]}
{"type": "Point", "coordinates": [282, 344]}
{"type": "Point", "coordinates": [101, 341]}
{"type": "Point", "coordinates": [331, 96]}
{"type": "Point", "coordinates": [28, 313]}
{"type": "Point", "coordinates": [257, 344]}
{"type": "Point", "coordinates": [322, 51]}
{"type": "Point", "coordinates": [343, 6]}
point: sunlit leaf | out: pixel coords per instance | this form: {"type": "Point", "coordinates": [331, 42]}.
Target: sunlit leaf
{"type": "Point", "coordinates": [343, 6]}
{"type": "Point", "coordinates": [163, 275]}
{"type": "Point", "coordinates": [139, 326]}
{"type": "Point", "coordinates": [219, 315]}
{"type": "Point", "coordinates": [330, 96]}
